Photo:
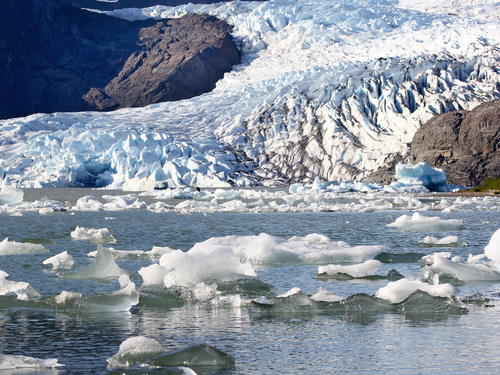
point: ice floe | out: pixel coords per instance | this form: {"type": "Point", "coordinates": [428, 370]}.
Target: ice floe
{"type": "Point", "coordinates": [14, 362]}
{"type": "Point", "coordinates": [14, 248]}
{"type": "Point", "coordinates": [398, 291]}
{"type": "Point", "coordinates": [104, 267]}
{"type": "Point", "coordinates": [22, 290]}
{"type": "Point", "coordinates": [356, 270]}
{"type": "Point", "coordinates": [62, 260]}
{"type": "Point", "coordinates": [102, 235]}
{"type": "Point", "coordinates": [419, 223]}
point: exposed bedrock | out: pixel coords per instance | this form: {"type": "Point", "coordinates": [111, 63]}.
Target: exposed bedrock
{"type": "Point", "coordinates": [466, 144]}
{"type": "Point", "coordinates": [55, 57]}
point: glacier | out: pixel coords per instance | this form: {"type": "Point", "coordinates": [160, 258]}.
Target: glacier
{"type": "Point", "coordinates": [326, 89]}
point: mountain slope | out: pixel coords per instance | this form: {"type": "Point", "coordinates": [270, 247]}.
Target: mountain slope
{"type": "Point", "coordinates": [329, 89]}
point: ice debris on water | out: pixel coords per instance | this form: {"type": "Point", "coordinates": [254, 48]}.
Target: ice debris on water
{"type": "Point", "coordinates": [104, 267]}
{"type": "Point", "coordinates": [419, 223]}
{"type": "Point", "coordinates": [398, 291]}
{"type": "Point", "coordinates": [102, 235]}
{"type": "Point", "coordinates": [20, 289]}
{"type": "Point", "coordinates": [356, 270]}
{"type": "Point", "coordinates": [14, 362]}
{"type": "Point", "coordinates": [62, 260]}
{"type": "Point", "coordinates": [451, 268]}
{"type": "Point", "coordinates": [15, 248]}
{"type": "Point", "coordinates": [144, 350]}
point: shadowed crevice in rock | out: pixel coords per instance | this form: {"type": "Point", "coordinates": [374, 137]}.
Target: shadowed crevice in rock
{"type": "Point", "coordinates": [55, 57]}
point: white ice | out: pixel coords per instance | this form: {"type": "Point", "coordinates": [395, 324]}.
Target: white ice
{"type": "Point", "coordinates": [22, 290]}
{"type": "Point", "coordinates": [13, 362]}
{"type": "Point", "coordinates": [443, 266]}
{"type": "Point", "coordinates": [62, 260]}
{"type": "Point", "coordinates": [327, 89]}
{"type": "Point", "coordinates": [135, 347]}
{"type": "Point", "coordinates": [104, 267]}
{"type": "Point", "coordinates": [355, 270]}
{"type": "Point", "coordinates": [154, 253]}
{"type": "Point", "coordinates": [11, 195]}
{"type": "Point", "coordinates": [102, 235]}
{"type": "Point", "coordinates": [14, 248]}
{"type": "Point", "coordinates": [434, 179]}
{"type": "Point", "coordinates": [323, 295]}
{"type": "Point", "coordinates": [492, 250]}
{"type": "Point", "coordinates": [419, 223]}
{"type": "Point", "coordinates": [445, 241]}
{"type": "Point", "coordinates": [398, 291]}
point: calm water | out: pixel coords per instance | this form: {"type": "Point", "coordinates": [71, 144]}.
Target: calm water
{"type": "Point", "coordinates": [296, 342]}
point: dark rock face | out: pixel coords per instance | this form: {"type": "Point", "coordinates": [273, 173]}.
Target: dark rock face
{"type": "Point", "coordinates": [55, 57]}
{"type": "Point", "coordinates": [465, 144]}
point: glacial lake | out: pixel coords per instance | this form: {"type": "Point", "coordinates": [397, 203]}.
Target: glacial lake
{"type": "Point", "coordinates": [264, 334]}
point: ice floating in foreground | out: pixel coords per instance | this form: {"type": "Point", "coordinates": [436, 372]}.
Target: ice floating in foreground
{"type": "Point", "coordinates": [446, 241]}
{"type": "Point", "coordinates": [62, 260]}
{"type": "Point", "coordinates": [14, 248]}
{"type": "Point", "coordinates": [155, 252]}
{"type": "Point", "coordinates": [102, 235]}
{"type": "Point", "coordinates": [419, 223]}
{"type": "Point", "coordinates": [445, 267]}
{"type": "Point", "coordinates": [398, 291]}
{"type": "Point", "coordinates": [200, 264]}
{"type": "Point", "coordinates": [144, 350]}
{"type": "Point", "coordinates": [104, 267]}
{"type": "Point", "coordinates": [311, 249]}
{"type": "Point", "coordinates": [492, 250]}
{"type": "Point", "coordinates": [11, 195]}
{"type": "Point", "coordinates": [356, 270]}
{"type": "Point", "coordinates": [12, 362]}
{"type": "Point", "coordinates": [22, 290]}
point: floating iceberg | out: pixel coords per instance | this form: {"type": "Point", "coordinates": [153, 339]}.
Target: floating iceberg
{"type": "Point", "coordinates": [104, 267]}
{"type": "Point", "coordinates": [13, 362]}
{"type": "Point", "coordinates": [434, 179]}
{"type": "Point", "coordinates": [102, 235]}
{"type": "Point", "coordinates": [14, 248]}
{"type": "Point", "coordinates": [62, 260]}
{"type": "Point", "coordinates": [419, 223]}
{"type": "Point", "coordinates": [11, 195]}
{"type": "Point", "coordinates": [356, 270]}
{"type": "Point", "coordinates": [492, 250]}
{"type": "Point", "coordinates": [447, 241]}
{"type": "Point", "coordinates": [144, 350]}
{"type": "Point", "coordinates": [22, 290]}
{"type": "Point", "coordinates": [398, 291]}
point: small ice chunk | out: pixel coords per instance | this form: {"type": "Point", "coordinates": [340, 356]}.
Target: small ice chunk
{"type": "Point", "coordinates": [322, 295]}
{"type": "Point", "coordinates": [446, 241]}
{"type": "Point", "coordinates": [14, 248]}
{"type": "Point", "coordinates": [22, 290]}
{"type": "Point", "coordinates": [460, 271]}
{"type": "Point", "coordinates": [134, 348]}
{"type": "Point", "coordinates": [12, 362]}
{"type": "Point", "coordinates": [11, 195]}
{"type": "Point", "coordinates": [356, 270]}
{"type": "Point", "coordinates": [492, 250]}
{"type": "Point", "coordinates": [63, 297]}
{"type": "Point", "coordinates": [104, 267]}
{"type": "Point", "coordinates": [398, 291]}
{"type": "Point", "coordinates": [102, 235]}
{"type": "Point", "coordinates": [62, 260]}
{"type": "Point", "coordinates": [419, 223]}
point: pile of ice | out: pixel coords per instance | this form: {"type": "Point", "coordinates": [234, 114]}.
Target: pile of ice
{"type": "Point", "coordinates": [419, 223]}
{"type": "Point", "coordinates": [314, 248]}
{"type": "Point", "coordinates": [326, 88]}
{"type": "Point", "coordinates": [201, 264]}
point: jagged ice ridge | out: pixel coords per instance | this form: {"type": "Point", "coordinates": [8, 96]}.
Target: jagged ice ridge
{"type": "Point", "coordinates": [326, 89]}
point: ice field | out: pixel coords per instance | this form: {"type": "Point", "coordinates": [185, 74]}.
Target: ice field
{"type": "Point", "coordinates": [328, 89]}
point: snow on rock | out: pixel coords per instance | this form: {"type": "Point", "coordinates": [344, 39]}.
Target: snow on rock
{"type": "Point", "coordinates": [419, 223]}
{"type": "Point", "coordinates": [327, 89]}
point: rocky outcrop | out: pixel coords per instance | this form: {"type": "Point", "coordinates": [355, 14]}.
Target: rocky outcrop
{"type": "Point", "coordinates": [55, 57]}
{"type": "Point", "coordinates": [465, 144]}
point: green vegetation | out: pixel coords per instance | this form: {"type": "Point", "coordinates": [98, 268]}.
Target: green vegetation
{"type": "Point", "coordinates": [488, 185]}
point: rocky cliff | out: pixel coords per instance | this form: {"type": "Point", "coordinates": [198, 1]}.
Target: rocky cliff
{"type": "Point", "coordinates": [55, 57]}
{"type": "Point", "coordinates": [466, 144]}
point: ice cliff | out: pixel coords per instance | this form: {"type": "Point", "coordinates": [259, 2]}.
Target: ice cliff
{"type": "Point", "coordinates": [329, 89]}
